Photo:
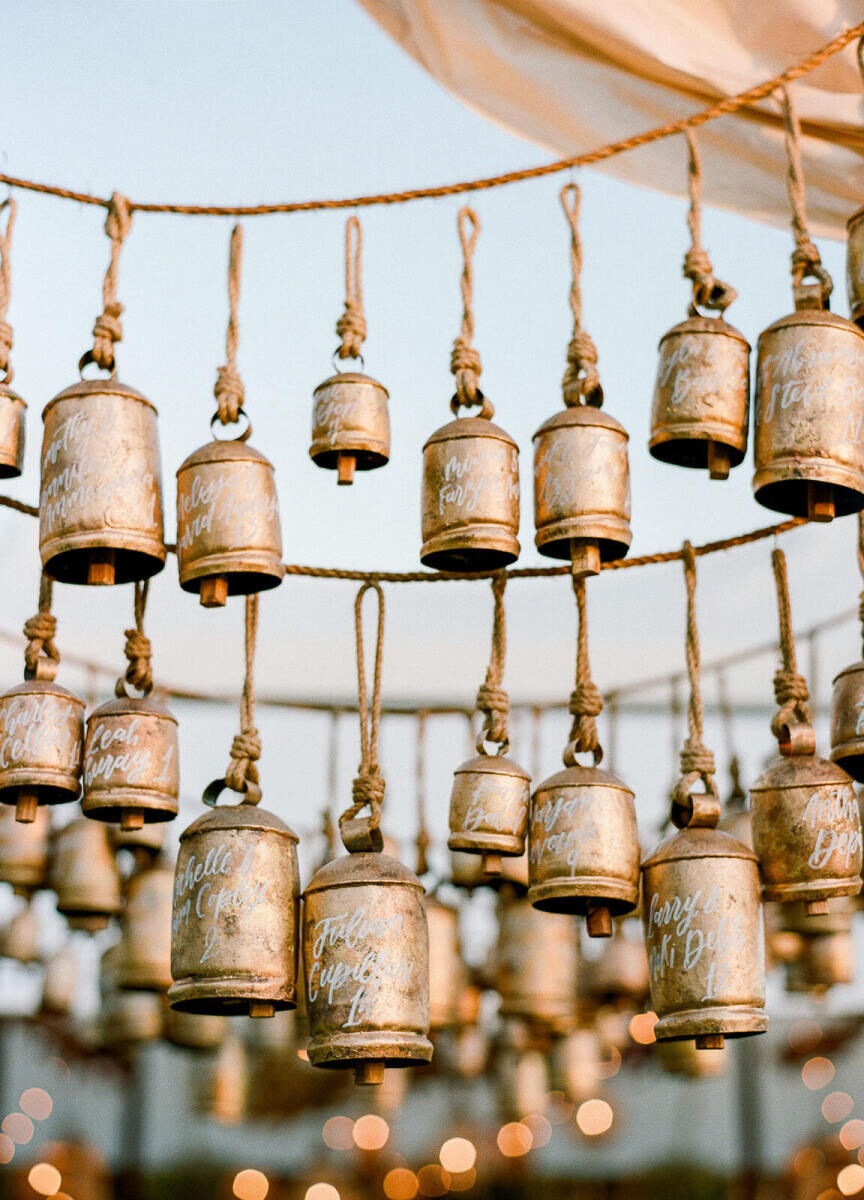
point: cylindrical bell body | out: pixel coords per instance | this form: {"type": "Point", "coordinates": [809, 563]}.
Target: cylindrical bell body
{"type": "Point", "coordinates": [131, 762]}
{"type": "Point", "coordinates": [704, 936]}
{"type": "Point", "coordinates": [855, 265]}
{"type": "Point", "coordinates": [146, 931]}
{"type": "Point", "coordinates": [447, 973]}
{"type": "Point", "coordinates": [793, 918]}
{"type": "Point", "coordinates": [470, 503]}
{"type": "Point", "coordinates": [467, 871]}
{"type": "Point", "coordinates": [236, 914]}
{"type": "Point", "coordinates": [736, 821]}
{"type": "Point", "coordinates": [808, 427]}
{"type": "Point", "coordinates": [523, 1082]}
{"type": "Point", "coordinates": [847, 721]}
{"type": "Point", "coordinates": [193, 1031]}
{"type": "Point", "coordinates": [581, 484]}
{"type": "Point", "coordinates": [702, 396]}
{"type": "Point", "coordinates": [12, 410]}
{"type": "Point", "coordinates": [620, 975]}
{"type": "Point", "coordinates": [806, 830]}
{"type": "Point", "coordinates": [537, 961]}
{"type": "Point", "coordinates": [366, 964]}
{"type": "Point", "coordinates": [684, 1058]}
{"type": "Point", "coordinates": [149, 838]}
{"type": "Point", "coordinates": [228, 519]}
{"type": "Point", "coordinates": [24, 850]}
{"type": "Point", "coordinates": [41, 742]}
{"type": "Point", "coordinates": [350, 416]}
{"type": "Point", "coordinates": [226, 1091]}
{"type": "Point", "coordinates": [575, 1065]}
{"type": "Point", "coordinates": [60, 984]}
{"type": "Point", "coordinates": [84, 875]}
{"type": "Point", "coordinates": [20, 938]}
{"type": "Point", "coordinates": [128, 1018]}
{"type": "Point", "coordinates": [489, 806]}
{"type": "Point", "coordinates": [101, 492]}
{"type": "Point", "coordinates": [828, 959]}
{"type": "Point", "coordinates": [583, 846]}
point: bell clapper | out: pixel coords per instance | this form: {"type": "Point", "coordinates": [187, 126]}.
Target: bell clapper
{"type": "Point", "coordinates": [584, 556]}
{"type": "Point", "coordinates": [598, 920]}
{"type": "Point", "coordinates": [261, 1008]}
{"type": "Point", "coordinates": [345, 468]}
{"type": "Point", "coordinates": [26, 806]}
{"type": "Point", "coordinates": [132, 818]}
{"type": "Point", "coordinates": [100, 568]}
{"type": "Point", "coordinates": [709, 1041]}
{"type": "Point", "coordinates": [369, 1074]}
{"type": "Point", "coordinates": [820, 501]}
{"type": "Point", "coordinates": [719, 460]}
{"type": "Point", "coordinates": [492, 864]}
{"type": "Point", "coordinates": [816, 908]}
{"type": "Point", "coordinates": [213, 592]}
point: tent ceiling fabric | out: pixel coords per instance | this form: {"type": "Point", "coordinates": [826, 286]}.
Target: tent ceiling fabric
{"type": "Point", "coordinates": [574, 74]}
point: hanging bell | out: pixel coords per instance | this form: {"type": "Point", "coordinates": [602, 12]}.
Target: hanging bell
{"type": "Point", "coordinates": [100, 504]}
{"type": "Point", "coordinates": [145, 963]}
{"type": "Point", "coordinates": [84, 875]}
{"type": "Point", "coordinates": [225, 1093]}
{"type": "Point", "coordinates": [620, 975]}
{"type": "Point", "coordinates": [60, 984]}
{"type": "Point", "coordinates": [193, 1031]}
{"type": "Point", "coordinates": [537, 961]}
{"type": "Point", "coordinates": [366, 964]}
{"type": "Point", "coordinates": [523, 1082]}
{"type": "Point", "coordinates": [847, 721]}
{"type": "Point", "coordinates": [702, 396]}
{"type": "Point", "coordinates": [468, 870]}
{"type": "Point", "coordinates": [489, 810]}
{"type": "Point", "coordinates": [12, 409]}
{"type": "Point", "coordinates": [685, 1058]}
{"type": "Point", "coordinates": [147, 840]}
{"type": "Point", "coordinates": [20, 938]}
{"type": "Point", "coordinates": [24, 851]}
{"type": "Point", "coordinates": [126, 1017]}
{"type": "Point", "coordinates": [704, 937]}
{"type": "Point", "coordinates": [350, 425]}
{"type": "Point", "coordinates": [41, 736]}
{"type": "Point", "coordinates": [131, 763]}
{"type": "Point", "coordinates": [447, 972]}
{"type": "Point", "coordinates": [855, 265]}
{"type": "Point", "coordinates": [576, 1064]}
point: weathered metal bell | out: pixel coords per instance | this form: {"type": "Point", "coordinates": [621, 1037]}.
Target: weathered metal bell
{"type": "Point", "coordinates": [84, 875]}
{"type": "Point", "coordinates": [685, 1058]}
{"type": "Point", "coordinates": [825, 953]}
{"type": "Point", "coordinates": [576, 1064]}
{"type": "Point", "coordinates": [229, 540]}
{"type": "Point", "coordinates": [41, 742]}
{"type": "Point", "coordinates": [620, 975]}
{"type": "Point", "coordinates": [24, 851]}
{"type": "Point", "coordinates": [131, 773]}
{"type": "Point", "coordinates": [20, 938]}
{"type": "Point", "coordinates": [704, 937]}
{"type": "Point", "coordinates": [226, 1091]}
{"type": "Point", "coordinates": [806, 830]}
{"type": "Point", "coordinates": [489, 809]}
{"type": "Point", "coordinates": [468, 871]}
{"type": "Point", "coordinates": [523, 1082]}
{"type": "Point", "coordinates": [145, 963]}
{"type": "Point", "coordinates": [847, 721]}
{"type": "Point", "coordinates": [366, 964]}
{"type": "Point", "coordinates": [236, 914]}
{"type": "Point", "coordinates": [583, 846]}
{"type": "Point", "coordinates": [855, 265]}
{"type": "Point", "coordinates": [350, 425]}
{"type": "Point", "coordinates": [100, 503]}
{"type": "Point", "coordinates": [447, 972]}
{"type": "Point", "coordinates": [702, 396]}
{"type": "Point", "coordinates": [582, 488]}
{"type": "Point", "coordinates": [537, 961]}
{"type": "Point", "coordinates": [60, 984]}
{"type": "Point", "coordinates": [126, 1017]}
{"type": "Point", "coordinates": [12, 409]}
{"type": "Point", "coordinates": [808, 444]}
{"type": "Point", "coordinates": [193, 1031]}
{"type": "Point", "coordinates": [146, 839]}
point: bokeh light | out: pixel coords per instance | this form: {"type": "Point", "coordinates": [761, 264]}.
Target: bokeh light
{"type": "Point", "coordinates": [370, 1132]}
{"type": "Point", "coordinates": [36, 1103]}
{"type": "Point", "coordinates": [817, 1073]}
{"type": "Point", "coordinates": [641, 1028]}
{"type": "Point", "coordinates": [808, 1162]}
{"type": "Point", "coordinates": [7, 1148]}
{"type": "Point", "coordinates": [18, 1127]}
{"type": "Point", "coordinates": [400, 1184]}
{"type": "Point", "coordinates": [611, 1066]}
{"type": "Point", "coordinates": [322, 1191]}
{"type": "Point", "coordinates": [850, 1179]}
{"type": "Point", "coordinates": [514, 1139]}
{"type": "Point", "coordinates": [594, 1117]}
{"type": "Point", "coordinates": [44, 1179]}
{"type": "Point", "coordinates": [433, 1180]}
{"type": "Point", "coordinates": [837, 1106]}
{"type": "Point", "coordinates": [541, 1130]}
{"type": "Point", "coordinates": [463, 1181]}
{"type": "Point", "coordinates": [560, 1110]}
{"type": "Point", "coordinates": [852, 1134]}
{"type": "Point", "coordinates": [338, 1133]}
{"type": "Point", "coordinates": [303, 1055]}
{"type": "Point", "coordinates": [250, 1185]}
{"type": "Point", "coordinates": [457, 1154]}
{"type": "Point", "coordinates": [804, 1036]}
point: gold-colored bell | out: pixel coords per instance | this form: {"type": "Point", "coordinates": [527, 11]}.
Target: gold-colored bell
{"type": "Point", "coordinates": [575, 1064]}
{"type": "Point", "coordinates": [620, 975]}
{"type": "Point", "coordinates": [225, 1092]}
{"type": "Point", "coordinates": [489, 810]}
{"type": "Point", "coordinates": [685, 1058]}
{"type": "Point", "coordinates": [469, 871]}
{"type": "Point", "coordinates": [523, 1082]}
{"type": "Point", "coordinates": [145, 963]}
{"type": "Point", "coordinates": [350, 425]}
{"type": "Point", "coordinates": [447, 971]}
{"type": "Point", "coordinates": [126, 1017]}
{"type": "Point", "coordinates": [537, 961]}
{"type": "Point", "coordinates": [24, 851]}
{"type": "Point", "coordinates": [60, 984]}
{"type": "Point", "coordinates": [41, 739]}
{"type": "Point", "coordinates": [855, 265]}
{"type": "Point", "coordinates": [20, 938]}
{"type": "Point", "coordinates": [847, 721]}
{"type": "Point", "coordinates": [84, 875]}
{"type": "Point", "coordinates": [193, 1031]}
{"type": "Point", "coordinates": [12, 409]}
{"type": "Point", "coordinates": [131, 772]}
{"type": "Point", "coordinates": [825, 960]}
{"type": "Point", "coordinates": [146, 839]}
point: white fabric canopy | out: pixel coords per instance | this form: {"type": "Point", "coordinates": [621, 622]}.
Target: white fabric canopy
{"type": "Point", "coordinates": [574, 74]}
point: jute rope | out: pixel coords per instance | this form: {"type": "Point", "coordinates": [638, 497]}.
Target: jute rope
{"type": "Point", "coordinates": [696, 760]}
{"type": "Point", "coordinates": [806, 260]}
{"type": "Point", "coordinates": [139, 672]}
{"type": "Point", "coordinates": [41, 656]}
{"type": "Point", "coordinates": [790, 688]}
{"type": "Point", "coordinates": [351, 326]}
{"type": "Point", "coordinates": [492, 700]}
{"type": "Point", "coordinates": [708, 291]}
{"type": "Point", "coordinates": [108, 328]}
{"type": "Point", "coordinates": [581, 382]}
{"type": "Point", "coordinates": [242, 773]}
{"type": "Point", "coordinates": [228, 388]}
{"type": "Point", "coordinates": [367, 790]}
{"type": "Point", "coordinates": [423, 839]}
{"type": "Point", "coordinates": [465, 364]}
{"type": "Point", "coordinates": [737, 796]}
{"type": "Point", "coordinates": [6, 288]}
{"type": "Point", "coordinates": [328, 819]}
{"type": "Point", "coordinates": [586, 703]}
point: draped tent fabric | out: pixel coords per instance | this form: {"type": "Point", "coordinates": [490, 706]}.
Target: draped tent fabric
{"type": "Point", "coordinates": [570, 75]}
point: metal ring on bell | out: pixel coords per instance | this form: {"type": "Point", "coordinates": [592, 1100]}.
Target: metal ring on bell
{"type": "Point", "coordinates": [350, 425]}
{"type": "Point", "coordinates": [131, 755]}
{"type": "Point", "coordinates": [12, 432]}
{"type": "Point", "coordinates": [41, 742]}
{"type": "Point", "coordinates": [855, 265]}
{"type": "Point", "coordinates": [847, 721]}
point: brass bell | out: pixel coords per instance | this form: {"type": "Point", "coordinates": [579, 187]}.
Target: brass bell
{"type": "Point", "coordinates": [469, 871]}
{"type": "Point", "coordinates": [84, 875]}
{"type": "Point", "coordinates": [20, 938]}
{"type": "Point", "coordinates": [620, 975]}
{"type": "Point", "coordinates": [537, 961]}
{"type": "Point", "coordinates": [704, 937]}
{"type": "Point", "coordinates": [489, 809]}
{"type": "Point", "coordinates": [350, 425]}
{"type": "Point", "coordinates": [576, 1064]}
{"type": "Point", "coordinates": [145, 963]}
{"type": "Point", "coordinates": [131, 771]}
{"type": "Point", "coordinates": [447, 972]}
{"type": "Point", "coordinates": [60, 984]}
{"type": "Point", "coordinates": [847, 721]}
{"type": "Point", "coordinates": [235, 919]}
{"type": "Point", "coordinates": [24, 851]}
{"type": "Point", "coordinates": [523, 1082]}
{"type": "Point", "coordinates": [225, 1094]}
{"type": "Point", "coordinates": [825, 952]}
{"type": "Point", "coordinates": [100, 503]}
{"type": "Point", "coordinates": [193, 1031]}
{"type": "Point", "coordinates": [685, 1058]}
{"type": "Point", "coordinates": [126, 1017]}
{"type": "Point", "coordinates": [12, 409]}
{"type": "Point", "coordinates": [146, 840]}
{"type": "Point", "coordinates": [855, 265]}
{"type": "Point", "coordinates": [41, 737]}
{"type": "Point", "coordinates": [366, 965]}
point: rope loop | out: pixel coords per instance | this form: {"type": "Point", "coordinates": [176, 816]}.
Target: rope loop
{"type": "Point", "coordinates": [139, 653]}
{"type": "Point", "coordinates": [492, 700]}
{"type": "Point", "coordinates": [228, 389]}
{"type": "Point", "coordinates": [41, 655]}
{"type": "Point", "coordinates": [108, 328]}
{"type": "Point", "coordinates": [790, 688]}
{"type": "Point", "coordinates": [351, 326]}
{"type": "Point", "coordinates": [242, 772]}
{"type": "Point", "coordinates": [465, 364]}
{"type": "Point", "coordinates": [806, 261]}
{"type": "Point", "coordinates": [368, 787]}
{"type": "Point", "coordinates": [581, 382]}
{"type": "Point", "coordinates": [6, 288]}
{"type": "Point", "coordinates": [708, 292]}
{"type": "Point", "coordinates": [586, 703]}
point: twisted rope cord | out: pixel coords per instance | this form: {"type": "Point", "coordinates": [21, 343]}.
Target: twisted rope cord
{"type": "Point", "coordinates": [696, 760]}
{"type": "Point", "coordinates": [581, 382]}
{"type": "Point", "coordinates": [492, 699]}
{"type": "Point", "coordinates": [242, 773]}
{"type": "Point", "coordinates": [6, 289]}
{"type": "Point", "coordinates": [108, 328]}
{"type": "Point", "coordinates": [40, 631]}
{"type": "Point", "coordinates": [806, 260]}
{"type": "Point", "coordinates": [139, 653]}
{"type": "Point", "coordinates": [351, 326]}
{"type": "Point", "coordinates": [228, 388]}
{"type": "Point", "coordinates": [790, 688]}
{"type": "Point", "coordinates": [465, 364]}
{"type": "Point", "coordinates": [737, 796]}
{"type": "Point", "coordinates": [423, 839]}
{"type": "Point", "coordinates": [328, 823]}
{"type": "Point", "coordinates": [586, 703]}
{"type": "Point", "coordinates": [367, 790]}
{"type": "Point", "coordinates": [708, 292]}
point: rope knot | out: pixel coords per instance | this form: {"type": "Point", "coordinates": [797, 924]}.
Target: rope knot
{"type": "Point", "coordinates": [107, 330]}
{"type": "Point", "coordinates": [351, 328]}
{"type": "Point", "coordinates": [229, 393]}
{"type": "Point", "coordinates": [494, 703]}
{"type": "Point", "coordinates": [581, 378]}
{"type": "Point", "coordinates": [466, 366]}
{"type": "Point", "coordinates": [40, 631]}
{"type": "Point", "coordinates": [245, 752]}
{"type": "Point", "coordinates": [790, 688]}
{"type": "Point", "coordinates": [118, 222]}
{"type": "Point", "coordinates": [5, 345]}
{"type": "Point", "coordinates": [367, 791]}
{"type": "Point", "coordinates": [696, 760]}
{"type": "Point", "coordinates": [586, 700]}
{"type": "Point", "coordinates": [139, 673]}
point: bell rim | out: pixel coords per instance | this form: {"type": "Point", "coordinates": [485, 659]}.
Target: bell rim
{"type": "Point", "coordinates": [557, 894]}
{"type": "Point", "coordinates": [782, 765]}
{"type": "Point", "coordinates": [228, 817]}
{"type": "Point", "coordinates": [501, 548]}
{"type": "Point", "coordinates": [10, 394]}
{"type": "Point", "coordinates": [216, 995]}
{"type": "Point", "coordinates": [820, 317]}
{"type": "Point", "coordinates": [222, 450]}
{"type": "Point", "coordinates": [264, 568]}
{"type": "Point", "coordinates": [579, 776]}
{"type": "Point", "coordinates": [492, 764]}
{"type": "Point", "coordinates": [138, 555]}
{"type": "Point", "coordinates": [667, 435]}
{"type": "Point", "coordinates": [106, 387]}
{"type": "Point", "coordinates": [695, 844]}
{"type": "Point", "coordinates": [787, 492]}
{"type": "Point", "coordinates": [732, 1021]}
{"type": "Point", "coordinates": [350, 377]}
{"type": "Point", "coordinates": [480, 841]}
{"type": "Point", "coordinates": [412, 1048]}
{"type": "Point", "coordinates": [613, 535]}
{"type": "Point", "coordinates": [469, 427]}
{"type": "Point", "coordinates": [370, 453]}
{"type": "Point", "coordinates": [856, 216]}
{"type": "Point", "coordinates": [851, 753]}
{"type": "Point", "coordinates": [811, 889]}
{"type": "Point", "coordinates": [710, 325]}
{"type": "Point", "coordinates": [579, 416]}
{"type": "Point", "coordinates": [120, 706]}
{"type": "Point", "coordinates": [35, 777]}
{"type": "Point", "coordinates": [109, 804]}
{"type": "Point", "coordinates": [43, 687]}
{"type": "Point", "coordinates": [333, 874]}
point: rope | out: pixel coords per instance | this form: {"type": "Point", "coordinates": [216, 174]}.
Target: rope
{"type": "Point", "coordinates": [465, 364]}
{"type": "Point", "coordinates": [708, 292]}
{"type": "Point", "coordinates": [40, 631]}
{"type": "Point", "coordinates": [722, 107]}
{"type": "Point", "coordinates": [790, 688]}
{"type": "Point", "coordinates": [328, 824]}
{"type": "Point", "coordinates": [581, 382]}
{"type": "Point", "coordinates": [228, 388]}
{"type": "Point", "coordinates": [492, 699]}
{"type": "Point", "coordinates": [423, 839]}
{"type": "Point", "coordinates": [586, 703]}
{"type": "Point", "coordinates": [806, 261]}
{"type": "Point", "coordinates": [139, 673]}
{"type": "Point", "coordinates": [696, 760]}
{"type": "Point", "coordinates": [242, 773]}
{"type": "Point", "coordinates": [351, 326]}
{"type": "Point", "coordinates": [6, 289]}
{"type": "Point", "coordinates": [368, 787]}
{"type": "Point", "coordinates": [108, 329]}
